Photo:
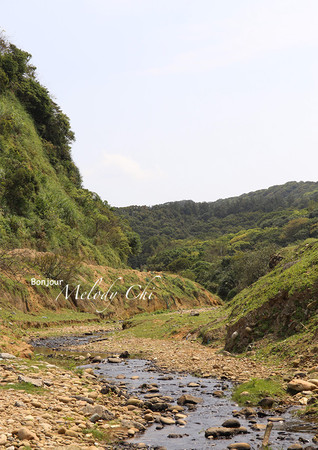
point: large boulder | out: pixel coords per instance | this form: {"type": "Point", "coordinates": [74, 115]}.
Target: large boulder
{"type": "Point", "coordinates": [299, 385]}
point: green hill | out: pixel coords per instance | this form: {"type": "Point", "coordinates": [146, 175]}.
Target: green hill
{"type": "Point", "coordinates": [51, 228]}
{"type": "Point", "coordinates": [282, 303]}
{"type": "Point", "coordinates": [42, 203]}
{"type": "Point", "coordinates": [225, 245]}
{"type": "Point", "coordinates": [186, 219]}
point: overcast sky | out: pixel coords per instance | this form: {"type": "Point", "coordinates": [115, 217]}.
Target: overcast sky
{"type": "Point", "coordinates": [178, 99]}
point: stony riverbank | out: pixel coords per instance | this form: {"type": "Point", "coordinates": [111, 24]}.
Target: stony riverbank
{"type": "Point", "coordinates": [187, 356]}
{"type": "Point", "coordinates": [44, 406]}
{"type": "Point", "coordinates": [61, 409]}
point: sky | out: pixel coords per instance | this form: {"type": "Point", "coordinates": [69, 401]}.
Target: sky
{"type": "Point", "coordinates": [176, 99]}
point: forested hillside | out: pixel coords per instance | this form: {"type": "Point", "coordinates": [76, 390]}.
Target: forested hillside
{"type": "Point", "coordinates": [229, 244]}
{"type": "Point", "coordinates": [42, 202]}
{"type": "Point", "coordinates": [50, 226]}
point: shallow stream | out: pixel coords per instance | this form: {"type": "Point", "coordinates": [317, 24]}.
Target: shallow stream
{"type": "Point", "coordinates": [213, 410]}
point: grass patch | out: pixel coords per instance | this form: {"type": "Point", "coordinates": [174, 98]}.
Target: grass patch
{"type": "Point", "coordinates": [98, 434]}
{"type": "Point", "coordinates": [311, 411]}
{"type": "Point", "coordinates": [257, 389]}
{"type": "Point", "coordinates": [163, 324]}
{"type": "Point", "coordinates": [46, 316]}
{"type": "Point", "coordinates": [60, 361]}
{"type": "Point", "coordinates": [27, 387]}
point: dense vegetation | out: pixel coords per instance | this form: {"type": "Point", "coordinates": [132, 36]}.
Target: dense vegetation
{"type": "Point", "coordinates": [229, 244]}
{"type": "Point", "coordinates": [42, 202]}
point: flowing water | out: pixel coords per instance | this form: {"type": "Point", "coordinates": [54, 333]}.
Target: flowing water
{"type": "Point", "coordinates": [213, 411]}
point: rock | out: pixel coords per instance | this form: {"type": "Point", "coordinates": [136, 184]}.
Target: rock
{"type": "Point", "coordinates": [148, 417]}
{"type": "Point", "coordinates": [7, 356]}
{"type": "Point", "coordinates": [153, 389]}
{"type": "Point", "coordinates": [24, 434]}
{"type": "Point", "coordinates": [174, 436]}
{"type": "Point", "coordinates": [157, 407]}
{"type": "Point", "coordinates": [167, 420]}
{"type": "Point", "coordinates": [71, 433]}
{"type": "Point", "coordinates": [94, 418]}
{"type": "Point", "coordinates": [181, 422]}
{"type": "Point", "coordinates": [217, 432]}
{"type": "Point", "coordinates": [258, 426]}
{"type": "Point", "coordinates": [186, 398]}
{"type": "Point", "coordinates": [294, 447]}
{"type": "Point", "coordinates": [247, 412]}
{"type": "Point", "coordinates": [64, 399]}
{"type": "Point", "coordinates": [34, 381]}
{"type": "Point", "coordinates": [276, 419]}
{"type": "Point", "coordinates": [100, 410]}
{"type": "Point", "coordinates": [193, 384]}
{"type": "Point", "coordinates": [266, 402]}
{"type": "Point", "coordinates": [3, 439]}
{"type": "Point", "coordinates": [239, 445]}
{"type": "Point", "coordinates": [92, 395]}
{"type": "Point", "coordinates": [313, 381]}
{"type": "Point", "coordinates": [84, 399]}
{"type": "Point", "coordinates": [303, 401]}
{"type": "Point", "coordinates": [114, 360]}
{"type": "Point", "coordinates": [176, 408]}
{"type": "Point", "coordinates": [61, 430]}
{"type": "Point", "coordinates": [234, 335]}
{"type": "Point", "coordinates": [194, 313]}
{"type": "Point", "coordinates": [97, 359]}
{"type": "Point", "coordinates": [248, 330]}
{"type": "Point", "coordinates": [134, 401]}
{"type": "Point", "coordinates": [299, 375]}
{"type": "Point", "coordinates": [20, 404]}
{"type": "Point", "coordinates": [36, 404]}
{"type": "Point", "coordinates": [301, 385]}
{"type": "Point", "coordinates": [181, 416]}
{"type": "Point", "coordinates": [231, 423]}
{"type": "Point", "coordinates": [135, 377]}
{"type": "Point", "coordinates": [156, 395]}
{"type": "Point", "coordinates": [218, 394]}
{"type": "Point", "coordinates": [29, 418]}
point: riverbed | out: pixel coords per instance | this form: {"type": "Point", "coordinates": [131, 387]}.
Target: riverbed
{"type": "Point", "coordinates": [141, 378]}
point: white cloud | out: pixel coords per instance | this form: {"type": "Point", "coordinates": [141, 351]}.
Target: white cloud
{"type": "Point", "coordinates": [127, 166]}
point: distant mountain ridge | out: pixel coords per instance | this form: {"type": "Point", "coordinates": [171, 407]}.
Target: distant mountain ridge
{"type": "Point", "coordinates": [228, 244]}
{"type": "Point", "coordinates": [186, 218]}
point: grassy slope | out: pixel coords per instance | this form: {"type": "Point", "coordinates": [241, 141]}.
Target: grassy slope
{"type": "Point", "coordinates": [282, 304]}
{"type": "Point", "coordinates": [56, 220]}
{"type": "Point", "coordinates": [18, 294]}
{"type": "Point", "coordinates": [60, 219]}
{"type": "Point", "coordinates": [277, 315]}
